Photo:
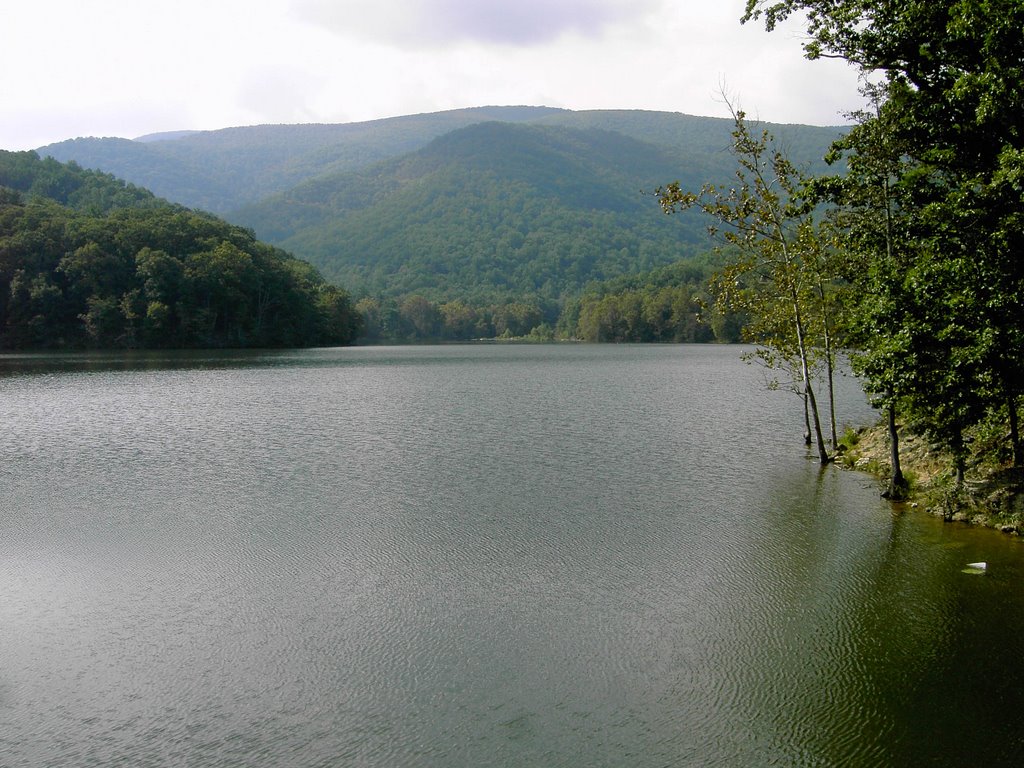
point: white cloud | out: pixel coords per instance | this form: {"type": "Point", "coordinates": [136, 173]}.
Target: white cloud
{"type": "Point", "coordinates": [124, 67]}
{"type": "Point", "coordinates": [432, 23]}
{"type": "Point", "coordinates": [281, 94]}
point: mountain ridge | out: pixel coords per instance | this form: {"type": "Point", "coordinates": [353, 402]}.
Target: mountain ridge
{"type": "Point", "coordinates": [224, 169]}
{"type": "Point", "coordinates": [259, 160]}
{"type": "Point", "coordinates": [489, 201]}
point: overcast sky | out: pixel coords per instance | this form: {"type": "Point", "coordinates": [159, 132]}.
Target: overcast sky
{"type": "Point", "coordinates": [130, 67]}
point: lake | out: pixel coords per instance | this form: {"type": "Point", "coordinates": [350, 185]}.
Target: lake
{"type": "Point", "coordinates": [476, 556]}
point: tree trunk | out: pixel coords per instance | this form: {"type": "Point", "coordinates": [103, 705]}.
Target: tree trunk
{"type": "Point", "coordinates": [959, 458]}
{"type": "Point", "coordinates": [823, 456]}
{"type": "Point", "coordinates": [805, 369]}
{"type": "Point", "coordinates": [807, 420]}
{"type": "Point", "coordinates": [831, 394]}
{"type": "Point", "coordinates": [897, 483]}
{"type": "Point", "coordinates": [1018, 449]}
{"type": "Point", "coordinates": [829, 365]}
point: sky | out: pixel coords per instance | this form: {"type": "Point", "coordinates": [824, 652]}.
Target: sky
{"type": "Point", "coordinates": [133, 67]}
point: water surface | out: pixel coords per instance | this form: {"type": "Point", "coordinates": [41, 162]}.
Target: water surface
{"type": "Point", "coordinates": [475, 556]}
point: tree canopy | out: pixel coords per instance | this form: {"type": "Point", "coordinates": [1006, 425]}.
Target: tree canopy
{"type": "Point", "coordinates": [87, 261]}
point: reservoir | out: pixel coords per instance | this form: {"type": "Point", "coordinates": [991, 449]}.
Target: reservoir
{"type": "Point", "coordinates": [507, 556]}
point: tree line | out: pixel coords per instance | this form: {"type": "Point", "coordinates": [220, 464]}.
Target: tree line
{"type": "Point", "coordinates": [87, 261]}
{"type": "Point", "coordinates": [666, 305]}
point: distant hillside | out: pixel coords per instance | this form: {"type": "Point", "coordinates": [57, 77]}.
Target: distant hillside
{"type": "Point", "coordinates": [222, 170]}
{"type": "Point", "coordinates": [703, 141]}
{"type": "Point", "coordinates": [184, 180]}
{"type": "Point", "coordinates": [165, 136]}
{"type": "Point", "coordinates": [227, 169]}
{"type": "Point", "coordinates": [495, 208]}
{"type": "Point", "coordinates": [488, 204]}
{"type": "Point", "coordinates": [93, 192]}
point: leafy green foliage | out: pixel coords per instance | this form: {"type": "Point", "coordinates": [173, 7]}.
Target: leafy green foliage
{"type": "Point", "coordinates": [933, 202]}
{"type": "Point", "coordinates": [87, 261]}
{"type": "Point", "coordinates": [23, 174]}
{"type": "Point", "coordinates": [667, 304]}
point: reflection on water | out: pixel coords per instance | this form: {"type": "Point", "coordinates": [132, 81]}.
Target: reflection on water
{"type": "Point", "coordinates": [508, 556]}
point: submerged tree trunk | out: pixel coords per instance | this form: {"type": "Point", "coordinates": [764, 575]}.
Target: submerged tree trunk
{"type": "Point", "coordinates": [823, 455]}
{"type": "Point", "coordinates": [807, 420]}
{"type": "Point", "coordinates": [897, 483]}
{"type": "Point", "coordinates": [805, 369]}
{"type": "Point", "coordinates": [829, 365]}
{"type": "Point", "coordinates": [829, 369]}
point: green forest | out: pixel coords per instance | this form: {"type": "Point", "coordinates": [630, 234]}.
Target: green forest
{"type": "Point", "coordinates": [496, 222]}
{"type": "Point", "coordinates": [87, 261]}
{"type": "Point", "coordinates": [665, 305]}
{"type": "Point", "coordinates": [492, 210]}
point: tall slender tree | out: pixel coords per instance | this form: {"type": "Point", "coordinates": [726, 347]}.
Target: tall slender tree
{"type": "Point", "coordinates": [772, 233]}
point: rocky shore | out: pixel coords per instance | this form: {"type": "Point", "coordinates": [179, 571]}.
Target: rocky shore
{"type": "Point", "coordinates": [993, 491]}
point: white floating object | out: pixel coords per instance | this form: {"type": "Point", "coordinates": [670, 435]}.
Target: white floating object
{"type": "Point", "coordinates": [978, 566]}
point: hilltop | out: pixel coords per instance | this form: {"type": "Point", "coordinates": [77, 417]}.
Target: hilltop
{"type": "Point", "coordinates": [226, 169]}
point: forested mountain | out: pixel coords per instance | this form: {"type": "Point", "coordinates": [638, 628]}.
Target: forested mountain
{"type": "Point", "coordinates": [493, 209]}
{"type": "Point", "coordinates": [222, 170]}
{"type": "Point", "coordinates": [226, 169]}
{"type": "Point", "coordinates": [89, 261]}
{"type": "Point", "coordinates": [701, 142]}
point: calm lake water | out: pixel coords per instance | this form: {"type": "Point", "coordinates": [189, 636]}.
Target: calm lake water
{"type": "Point", "coordinates": [475, 556]}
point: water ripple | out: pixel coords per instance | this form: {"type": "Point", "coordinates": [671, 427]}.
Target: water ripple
{"type": "Point", "coordinates": [467, 556]}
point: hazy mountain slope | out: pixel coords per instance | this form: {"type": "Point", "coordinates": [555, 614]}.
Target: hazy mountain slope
{"type": "Point", "coordinates": [180, 180]}
{"type": "Point", "coordinates": [225, 169]}
{"type": "Point", "coordinates": [453, 203]}
{"type": "Point", "coordinates": [494, 208]}
{"type": "Point", "coordinates": [702, 140]}
{"type": "Point", "coordinates": [229, 168]}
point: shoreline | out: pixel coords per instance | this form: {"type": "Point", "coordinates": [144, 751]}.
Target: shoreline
{"type": "Point", "coordinates": [992, 495]}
